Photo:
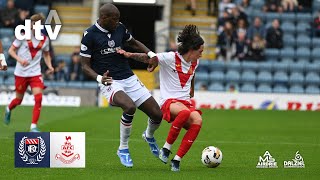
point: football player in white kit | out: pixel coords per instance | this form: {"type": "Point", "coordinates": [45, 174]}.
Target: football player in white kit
{"type": "Point", "coordinates": [3, 63]}
{"type": "Point", "coordinates": [28, 54]}
{"type": "Point", "coordinates": [177, 72]}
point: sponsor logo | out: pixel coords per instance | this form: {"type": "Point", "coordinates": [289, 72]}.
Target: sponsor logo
{"type": "Point", "coordinates": [297, 162]}
{"type": "Point", "coordinates": [67, 155]}
{"type": "Point", "coordinates": [267, 161]}
{"type": "Point", "coordinates": [269, 105]}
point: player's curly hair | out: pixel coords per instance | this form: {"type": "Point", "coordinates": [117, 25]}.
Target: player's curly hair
{"type": "Point", "coordinates": [188, 39]}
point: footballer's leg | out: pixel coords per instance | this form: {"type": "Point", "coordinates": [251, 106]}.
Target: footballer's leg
{"type": "Point", "coordinates": [37, 93]}
{"type": "Point", "coordinates": [180, 115]}
{"type": "Point", "coordinates": [151, 108]}
{"type": "Point", "coordinates": [122, 100]}
{"type": "Point", "coordinates": [193, 127]}
{"type": "Point", "coordinates": [21, 85]}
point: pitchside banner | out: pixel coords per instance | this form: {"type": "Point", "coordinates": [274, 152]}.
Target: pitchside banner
{"type": "Point", "coordinates": [50, 149]}
{"type": "Point", "coordinates": [220, 100]}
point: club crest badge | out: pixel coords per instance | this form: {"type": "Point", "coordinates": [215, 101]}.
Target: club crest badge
{"type": "Point", "coordinates": [32, 150]}
{"type": "Point", "coordinates": [111, 43]}
{"type": "Point", "coordinates": [67, 154]}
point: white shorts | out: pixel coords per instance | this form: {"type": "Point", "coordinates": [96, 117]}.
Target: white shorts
{"type": "Point", "coordinates": [132, 86]}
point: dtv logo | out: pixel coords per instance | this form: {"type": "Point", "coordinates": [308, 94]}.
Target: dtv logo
{"type": "Point", "coordinates": [37, 26]}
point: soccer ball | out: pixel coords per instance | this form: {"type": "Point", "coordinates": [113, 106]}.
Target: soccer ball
{"type": "Point", "coordinates": [211, 156]}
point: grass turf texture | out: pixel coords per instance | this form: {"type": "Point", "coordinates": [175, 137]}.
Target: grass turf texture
{"type": "Point", "coordinates": [242, 136]}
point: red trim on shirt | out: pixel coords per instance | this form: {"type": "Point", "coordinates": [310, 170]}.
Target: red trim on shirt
{"type": "Point", "coordinates": [184, 77]}
{"type": "Point", "coordinates": [35, 50]}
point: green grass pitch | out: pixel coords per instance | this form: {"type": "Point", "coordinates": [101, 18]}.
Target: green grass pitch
{"type": "Point", "coordinates": [242, 136]}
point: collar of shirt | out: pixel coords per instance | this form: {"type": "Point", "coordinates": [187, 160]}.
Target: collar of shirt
{"type": "Point", "coordinates": [101, 28]}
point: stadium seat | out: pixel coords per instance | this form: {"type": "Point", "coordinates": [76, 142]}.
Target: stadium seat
{"type": "Point", "coordinates": [249, 65]}
{"type": "Point", "coordinates": [303, 41]}
{"type": "Point", "coordinates": [270, 16]}
{"type": "Point", "coordinates": [312, 89]}
{"type": "Point", "coordinates": [280, 89]}
{"type": "Point", "coordinates": [266, 66]}
{"type": "Point", "coordinates": [272, 53]}
{"type": "Point", "coordinates": [248, 87]}
{"type": "Point", "coordinates": [290, 17]}
{"type": "Point", "coordinates": [257, 4]}
{"type": "Point", "coordinates": [264, 88]}
{"type": "Point", "coordinates": [312, 78]}
{"type": "Point", "coordinates": [287, 52]}
{"type": "Point", "coordinates": [289, 27]}
{"type": "Point", "coordinates": [296, 89]}
{"type": "Point", "coordinates": [286, 60]}
{"type": "Point", "coordinates": [248, 76]}
{"type": "Point", "coordinates": [216, 76]}
{"type": "Point", "coordinates": [315, 53]}
{"type": "Point", "coordinates": [264, 77]}
{"type": "Point", "coordinates": [217, 65]}
{"type": "Point", "coordinates": [9, 81]}
{"type": "Point", "coordinates": [296, 78]}
{"type": "Point", "coordinates": [203, 66]}
{"type": "Point", "coordinates": [289, 41]}
{"type": "Point", "coordinates": [232, 76]}
{"type": "Point", "coordinates": [202, 76]}
{"type": "Point", "coordinates": [313, 67]}
{"type": "Point", "coordinates": [56, 84]}
{"type": "Point", "coordinates": [304, 17]}
{"type": "Point", "coordinates": [315, 42]}
{"type": "Point", "coordinates": [3, 3]}
{"type": "Point", "coordinates": [233, 65]}
{"type": "Point", "coordinates": [316, 5]}
{"type": "Point", "coordinates": [297, 67]}
{"type": "Point", "coordinates": [10, 71]}
{"type": "Point", "coordinates": [1, 80]}
{"type": "Point", "coordinates": [216, 87]}
{"type": "Point", "coordinates": [303, 27]}
{"type": "Point", "coordinates": [6, 32]}
{"type": "Point", "coordinates": [44, 9]}
{"type": "Point", "coordinates": [303, 52]}
{"type": "Point", "coordinates": [281, 66]}
{"type": "Point", "coordinates": [64, 57]}
{"type": "Point", "coordinates": [280, 77]}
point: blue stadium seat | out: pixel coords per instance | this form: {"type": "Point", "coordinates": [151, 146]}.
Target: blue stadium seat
{"type": "Point", "coordinates": [6, 32]}
{"type": "Point", "coordinates": [264, 77]}
{"type": "Point", "coordinates": [248, 87]}
{"type": "Point", "coordinates": [313, 67]}
{"type": "Point", "coordinates": [64, 57]}
{"type": "Point", "coordinates": [312, 78]}
{"type": "Point", "coordinates": [203, 65]}
{"type": "Point", "coordinates": [272, 53]}
{"type": "Point", "coordinates": [56, 84]}
{"type": "Point", "coordinates": [304, 17]}
{"type": "Point", "coordinates": [303, 40]}
{"type": "Point", "coordinates": [216, 87]}
{"type": "Point", "coordinates": [289, 41]}
{"type": "Point", "coordinates": [288, 27]}
{"type": "Point", "coordinates": [281, 66]}
{"type": "Point", "coordinates": [216, 76]}
{"type": "Point", "coordinates": [296, 89]}
{"type": "Point", "coordinates": [286, 60]}
{"type": "Point", "coordinates": [287, 52]}
{"type": "Point", "coordinates": [233, 65]}
{"type": "Point", "coordinates": [90, 84]}
{"type": "Point", "coordinates": [280, 77]}
{"type": "Point", "coordinates": [303, 27]}
{"type": "Point", "coordinates": [10, 71]}
{"type": "Point", "coordinates": [315, 42]}
{"type": "Point", "coordinates": [316, 5]}
{"type": "Point", "coordinates": [280, 89]}
{"type": "Point", "coordinates": [3, 3]}
{"type": "Point", "coordinates": [232, 76]}
{"type": "Point", "coordinates": [297, 67]}
{"type": "Point", "coordinates": [9, 81]}
{"type": "Point", "coordinates": [303, 52]}
{"type": "Point", "coordinates": [257, 4]}
{"type": "Point", "coordinates": [312, 89]}
{"type": "Point", "coordinates": [315, 53]}
{"type": "Point", "coordinates": [288, 17]}
{"type": "Point", "coordinates": [202, 76]}
{"type": "Point", "coordinates": [75, 84]}
{"type": "Point", "coordinates": [266, 66]}
{"type": "Point", "coordinates": [264, 88]}
{"type": "Point", "coordinates": [217, 65]}
{"type": "Point", "coordinates": [270, 16]}
{"type": "Point", "coordinates": [44, 9]}
{"type": "Point", "coordinates": [1, 80]}
{"type": "Point", "coordinates": [248, 76]}
{"type": "Point", "coordinates": [249, 65]}
{"type": "Point", "coordinates": [296, 78]}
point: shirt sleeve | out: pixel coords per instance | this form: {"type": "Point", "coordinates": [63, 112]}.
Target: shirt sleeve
{"type": "Point", "coordinates": [166, 58]}
{"type": "Point", "coordinates": [86, 45]}
{"type": "Point", "coordinates": [126, 34]}
{"type": "Point", "coordinates": [16, 43]}
{"type": "Point", "coordinates": [46, 45]}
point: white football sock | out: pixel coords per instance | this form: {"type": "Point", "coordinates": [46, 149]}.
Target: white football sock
{"type": "Point", "coordinates": [33, 126]}
{"type": "Point", "coordinates": [176, 157]}
{"type": "Point", "coordinates": [167, 146]}
{"type": "Point", "coordinates": [151, 128]}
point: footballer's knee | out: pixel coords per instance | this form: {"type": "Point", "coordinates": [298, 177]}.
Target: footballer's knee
{"type": "Point", "coordinates": [130, 109]}
{"type": "Point", "coordinates": [196, 118]}
{"type": "Point", "coordinates": [157, 116]}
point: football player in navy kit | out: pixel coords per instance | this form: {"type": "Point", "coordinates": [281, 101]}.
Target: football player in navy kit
{"type": "Point", "coordinates": [117, 82]}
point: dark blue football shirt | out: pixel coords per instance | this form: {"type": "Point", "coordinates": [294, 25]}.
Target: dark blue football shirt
{"type": "Point", "coordinates": [100, 45]}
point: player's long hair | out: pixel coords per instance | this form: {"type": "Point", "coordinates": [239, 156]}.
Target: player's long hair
{"type": "Point", "coordinates": [189, 39]}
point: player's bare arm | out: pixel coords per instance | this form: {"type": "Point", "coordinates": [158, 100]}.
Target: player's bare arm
{"type": "Point", "coordinates": [141, 57]}
{"type": "Point", "coordinates": [47, 60]}
{"type": "Point", "coordinates": [192, 87]}
{"type": "Point", "coordinates": [86, 67]}
{"type": "Point", "coordinates": [13, 53]}
{"type": "Point", "coordinates": [3, 63]}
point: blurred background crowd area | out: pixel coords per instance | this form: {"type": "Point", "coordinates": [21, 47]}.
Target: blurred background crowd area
{"type": "Point", "coordinates": [264, 46]}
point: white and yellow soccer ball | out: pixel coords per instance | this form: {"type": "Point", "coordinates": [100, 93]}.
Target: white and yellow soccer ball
{"type": "Point", "coordinates": [211, 156]}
